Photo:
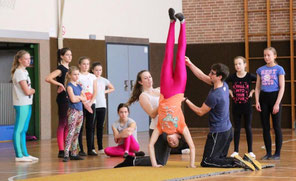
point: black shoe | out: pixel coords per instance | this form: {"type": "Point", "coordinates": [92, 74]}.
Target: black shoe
{"type": "Point", "coordinates": [82, 153]}
{"type": "Point", "coordinates": [66, 159]}
{"type": "Point", "coordinates": [139, 153]}
{"type": "Point", "coordinates": [61, 154]}
{"type": "Point", "coordinates": [266, 157]}
{"type": "Point", "coordinates": [180, 17]}
{"type": "Point", "coordinates": [275, 157]}
{"type": "Point", "coordinates": [92, 153]}
{"type": "Point", "coordinates": [125, 154]}
{"type": "Point", "coordinates": [128, 162]}
{"type": "Point", "coordinates": [77, 157]}
{"type": "Point", "coordinates": [172, 14]}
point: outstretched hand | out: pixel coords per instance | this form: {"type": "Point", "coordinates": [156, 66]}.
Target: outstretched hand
{"type": "Point", "coordinates": [187, 61]}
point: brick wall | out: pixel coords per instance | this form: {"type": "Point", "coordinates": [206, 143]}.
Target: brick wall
{"type": "Point", "coordinates": [215, 21]}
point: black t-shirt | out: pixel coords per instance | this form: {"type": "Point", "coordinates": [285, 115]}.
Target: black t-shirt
{"type": "Point", "coordinates": [241, 89]}
{"type": "Point", "coordinates": [62, 97]}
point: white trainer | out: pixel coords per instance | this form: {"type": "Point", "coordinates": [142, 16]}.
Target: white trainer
{"type": "Point", "coordinates": [94, 151]}
{"type": "Point", "coordinates": [22, 159]}
{"type": "Point", "coordinates": [234, 154]}
{"type": "Point", "coordinates": [252, 155]}
{"type": "Point", "coordinates": [32, 158]}
{"type": "Point", "coordinates": [185, 151]}
{"type": "Point", "coordinates": [101, 151]}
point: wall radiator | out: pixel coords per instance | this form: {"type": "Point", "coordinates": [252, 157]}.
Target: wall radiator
{"type": "Point", "coordinates": [7, 113]}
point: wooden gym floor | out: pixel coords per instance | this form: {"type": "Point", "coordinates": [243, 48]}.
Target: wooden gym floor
{"type": "Point", "coordinates": [49, 164]}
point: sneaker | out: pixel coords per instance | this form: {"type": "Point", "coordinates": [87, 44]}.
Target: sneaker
{"type": "Point", "coordinates": [61, 154]}
{"type": "Point", "coordinates": [92, 153]}
{"type": "Point", "coordinates": [139, 153]}
{"type": "Point", "coordinates": [185, 151]}
{"type": "Point", "coordinates": [23, 159]}
{"type": "Point", "coordinates": [128, 162]}
{"type": "Point", "coordinates": [234, 154]}
{"type": "Point", "coordinates": [101, 151]}
{"type": "Point", "coordinates": [32, 158]}
{"type": "Point", "coordinates": [82, 153]}
{"type": "Point", "coordinates": [252, 160]}
{"type": "Point", "coordinates": [125, 154]}
{"type": "Point", "coordinates": [180, 17]}
{"type": "Point", "coordinates": [66, 159]}
{"type": "Point", "coordinates": [77, 157]}
{"type": "Point", "coordinates": [172, 14]}
{"type": "Point", "coordinates": [244, 164]}
{"type": "Point", "coordinates": [252, 155]}
{"type": "Point", "coordinates": [266, 157]}
{"type": "Point", "coordinates": [275, 157]}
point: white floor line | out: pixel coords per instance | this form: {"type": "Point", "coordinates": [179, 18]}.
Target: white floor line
{"type": "Point", "coordinates": [263, 177]}
{"type": "Point", "coordinates": [287, 141]}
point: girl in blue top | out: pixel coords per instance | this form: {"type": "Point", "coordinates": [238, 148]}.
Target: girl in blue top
{"type": "Point", "coordinates": [270, 87]}
{"type": "Point", "coordinates": [75, 113]}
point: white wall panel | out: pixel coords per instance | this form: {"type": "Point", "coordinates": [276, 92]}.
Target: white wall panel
{"type": "Point", "coordinates": [124, 18]}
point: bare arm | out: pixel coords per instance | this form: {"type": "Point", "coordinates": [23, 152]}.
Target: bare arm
{"type": "Point", "coordinates": [127, 131]}
{"type": "Point", "coordinates": [94, 95]}
{"type": "Point", "coordinates": [197, 72]}
{"type": "Point", "coordinates": [280, 94]}
{"type": "Point", "coordinates": [198, 110]}
{"type": "Point", "coordinates": [110, 88]}
{"type": "Point", "coordinates": [25, 87]}
{"type": "Point", "coordinates": [152, 142]}
{"type": "Point", "coordinates": [188, 138]}
{"type": "Point", "coordinates": [257, 93]}
{"type": "Point", "coordinates": [147, 107]}
{"type": "Point", "coordinates": [51, 78]}
{"type": "Point", "coordinates": [230, 93]}
{"type": "Point", "coordinates": [251, 93]}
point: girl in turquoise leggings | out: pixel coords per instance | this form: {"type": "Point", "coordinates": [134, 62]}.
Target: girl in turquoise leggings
{"type": "Point", "coordinates": [22, 101]}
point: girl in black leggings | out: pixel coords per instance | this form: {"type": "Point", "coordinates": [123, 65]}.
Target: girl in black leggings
{"type": "Point", "coordinates": [270, 87]}
{"type": "Point", "coordinates": [241, 94]}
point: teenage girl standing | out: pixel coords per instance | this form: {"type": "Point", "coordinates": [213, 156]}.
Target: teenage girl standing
{"type": "Point", "coordinates": [89, 85]}
{"type": "Point", "coordinates": [57, 77]}
{"type": "Point", "coordinates": [75, 113]}
{"type": "Point", "coordinates": [270, 87]}
{"type": "Point", "coordinates": [241, 95]}
{"type": "Point", "coordinates": [22, 102]}
{"type": "Point", "coordinates": [102, 83]}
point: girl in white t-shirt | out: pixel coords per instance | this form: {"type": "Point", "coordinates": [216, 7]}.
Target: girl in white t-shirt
{"type": "Point", "coordinates": [22, 102]}
{"type": "Point", "coordinates": [89, 85]}
{"type": "Point", "coordinates": [102, 83]}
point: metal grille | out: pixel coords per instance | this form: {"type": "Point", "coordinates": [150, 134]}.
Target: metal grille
{"type": "Point", "coordinates": [6, 106]}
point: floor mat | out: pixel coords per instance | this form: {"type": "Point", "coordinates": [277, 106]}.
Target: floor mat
{"type": "Point", "coordinates": [172, 171]}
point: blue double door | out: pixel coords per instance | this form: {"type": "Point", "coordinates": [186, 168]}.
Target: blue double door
{"type": "Point", "coordinates": [123, 64]}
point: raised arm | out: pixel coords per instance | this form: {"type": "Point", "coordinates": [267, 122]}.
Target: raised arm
{"type": "Point", "coordinates": [147, 107]}
{"type": "Point", "coordinates": [198, 110]}
{"type": "Point", "coordinates": [188, 138]}
{"type": "Point", "coordinates": [197, 72]}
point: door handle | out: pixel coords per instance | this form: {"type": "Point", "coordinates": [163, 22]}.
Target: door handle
{"type": "Point", "coordinates": [132, 84]}
{"type": "Point", "coordinates": [126, 85]}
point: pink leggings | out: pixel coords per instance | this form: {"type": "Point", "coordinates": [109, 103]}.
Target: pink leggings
{"type": "Point", "coordinates": [130, 144]}
{"type": "Point", "coordinates": [62, 130]}
{"type": "Point", "coordinates": [174, 82]}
